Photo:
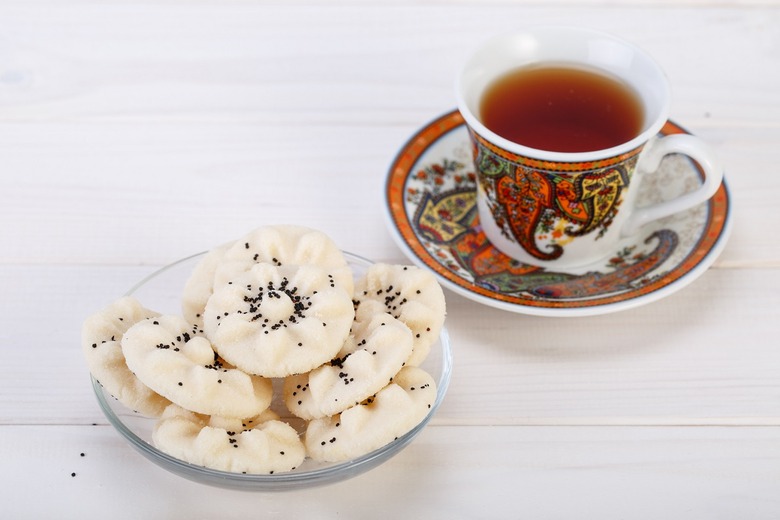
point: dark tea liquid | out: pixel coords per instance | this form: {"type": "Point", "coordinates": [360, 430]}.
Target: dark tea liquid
{"type": "Point", "coordinates": [562, 109]}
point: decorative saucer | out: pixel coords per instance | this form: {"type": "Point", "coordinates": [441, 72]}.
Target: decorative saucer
{"type": "Point", "coordinates": [431, 208]}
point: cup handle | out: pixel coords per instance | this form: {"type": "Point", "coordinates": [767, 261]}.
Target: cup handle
{"type": "Point", "coordinates": [684, 144]}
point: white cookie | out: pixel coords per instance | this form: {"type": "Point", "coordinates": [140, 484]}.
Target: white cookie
{"type": "Point", "coordinates": [284, 245]}
{"type": "Point", "coordinates": [200, 285]}
{"type": "Point", "coordinates": [261, 445]}
{"type": "Point", "coordinates": [375, 351]}
{"type": "Point", "coordinates": [278, 321]}
{"type": "Point", "coordinates": [100, 339]}
{"type": "Point", "coordinates": [394, 411]}
{"type": "Point", "coordinates": [169, 358]}
{"type": "Point", "coordinates": [409, 294]}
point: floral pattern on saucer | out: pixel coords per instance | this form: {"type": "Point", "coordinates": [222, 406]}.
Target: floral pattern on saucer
{"type": "Point", "coordinates": [431, 203]}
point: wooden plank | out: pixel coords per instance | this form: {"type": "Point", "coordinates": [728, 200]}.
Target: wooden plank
{"type": "Point", "coordinates": [447, 472]}
{"type": "Point", "coordinates": [129, 194]}
{"type": "Point", "coordinates": [695, 357]}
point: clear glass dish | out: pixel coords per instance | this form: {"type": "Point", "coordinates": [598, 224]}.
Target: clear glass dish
{"type": "Point", "coordinates": [161, 291]}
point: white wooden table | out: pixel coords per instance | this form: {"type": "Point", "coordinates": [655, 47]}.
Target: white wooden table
{"type": "Point", "coordinates": [136, 133]}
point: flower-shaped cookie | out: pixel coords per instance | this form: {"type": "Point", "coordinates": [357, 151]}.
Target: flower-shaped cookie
{"type": "Point", "coordinates": [100, 339]}
{"type": "Point", "coordinates": [410, 294]}
{"type": "Point", "coordinates": [278, 321]}
{"type": "Point", "coordinates": [284, 245]}
{"type": "Point", "coordinates": [395, 410]}
{"type": "Point", "coordinates": [376, 350]}
{"type": "Point", "coordinates": [169, 358]}
{"type": "Point", "coordinates": [259, 445]}
{"type": "Point", "coordinates": [200, 285]}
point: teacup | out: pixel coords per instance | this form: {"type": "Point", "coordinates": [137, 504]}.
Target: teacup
{"type": "Point", "coordinates": [565, 209]}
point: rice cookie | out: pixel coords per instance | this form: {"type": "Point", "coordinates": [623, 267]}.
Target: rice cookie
{"type": "Point", "coordinates": [375, 351]}
{"type": "Point", "coordinates": [284, 245]}
{"type": "Point", "coordinates": [278, 321]}
{"type": "Point", "coordinates": [411, 295]}
{"type": "Point", "coordinates": [175, 362]}
{"type": "Point", "coordinates": [394, 411]}
{"type": "Point", "coordinates": [260, 445]}
{"type": "Point", "coordinates": [200, 285]}
{"type": "Point", "coordinates": [101, 336]}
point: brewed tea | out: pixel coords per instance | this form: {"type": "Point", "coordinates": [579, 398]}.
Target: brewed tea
{"type": "Point", "coordinates": [562, 109]}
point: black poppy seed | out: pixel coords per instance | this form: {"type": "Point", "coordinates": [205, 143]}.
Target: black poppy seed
{"type": "Point", "coordinates": [281, 453]}
{"type": "Point", "coordinates": [94, 345]}
{"type": "Point", "coordinates": [72, 474]}
{"type": "Point", "coordinates": [156, 322]}
{"type": "Point", "coordinates": [180, 383]}
{"type": "Point", "coordinates": [246, 245]}
{"type": "Point", "coordinates": [300, 402]}
{"type": "Point", "coordinates": [322, 443]}
{"type": "Point", "coordinates": [219, 381]}
{"type": "Point", "coordinates": [82, 454]}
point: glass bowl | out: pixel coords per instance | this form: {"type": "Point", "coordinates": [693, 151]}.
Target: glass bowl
{"type": "Point", "coordinates": [161, 291]}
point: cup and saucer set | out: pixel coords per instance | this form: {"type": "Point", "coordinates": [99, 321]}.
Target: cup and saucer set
{"type": "Point", "coordinates": [558, 233]}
